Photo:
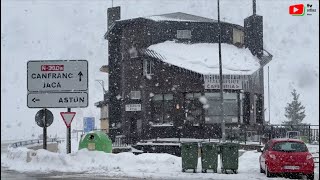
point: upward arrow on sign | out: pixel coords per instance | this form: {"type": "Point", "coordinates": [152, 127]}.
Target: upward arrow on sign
{"type": "Point", "coordinates": [67, 117]}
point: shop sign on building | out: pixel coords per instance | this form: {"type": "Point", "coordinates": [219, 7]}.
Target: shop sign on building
{"type": "Point", "coordinates": [229, 82]}
{"type": "Point", "coordinates": [133, 107]}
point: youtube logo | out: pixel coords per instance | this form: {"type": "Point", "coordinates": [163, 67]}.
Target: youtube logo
{"type": "Point", "coordinates": [297, 10]}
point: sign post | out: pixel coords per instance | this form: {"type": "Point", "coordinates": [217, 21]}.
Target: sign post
{"type": "Point", "coordinates": [45, 130]}
{"type": "Point", "coordinates": [67, 118]}
{"type": "Point", "coordinates": [44, 119]}
{"type": "Point", "coordinates": [69, 136]}
{"type": "Point", "coordinates": [57, 84]}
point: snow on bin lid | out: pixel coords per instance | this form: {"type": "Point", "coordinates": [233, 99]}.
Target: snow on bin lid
{"type": "Point", "coordinates": [203, 58]}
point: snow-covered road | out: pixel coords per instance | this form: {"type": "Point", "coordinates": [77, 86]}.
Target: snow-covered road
{"type": "Point", "coordinates": [85, 163]}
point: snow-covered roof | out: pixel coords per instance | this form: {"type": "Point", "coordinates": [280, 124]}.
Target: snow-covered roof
{"type": "Point", "coordinates": [176, 16]}
{"type": "Point", "coordinates": [203, 58]}
{"type": "Point", "coordinates": [179, 16]}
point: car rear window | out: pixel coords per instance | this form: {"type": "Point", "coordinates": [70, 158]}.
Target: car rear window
{"type": "Point", "coordinates": [290, 147]}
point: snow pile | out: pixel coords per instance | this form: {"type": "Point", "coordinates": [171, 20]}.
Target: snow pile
{"type": "Point", "coordinates": [123, 165]}
{"type": "Point", "coordinates": [62, 147]}
{"type": "Point", "coordinates": [202, 57]}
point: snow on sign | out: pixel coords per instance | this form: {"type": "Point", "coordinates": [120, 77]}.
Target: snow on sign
{"type": "Point", "coordinates": [133, 107]}
{"type": "Point", "coordinates": [57, 75]}
{"type": "Point", "coordinates": [67, 117]}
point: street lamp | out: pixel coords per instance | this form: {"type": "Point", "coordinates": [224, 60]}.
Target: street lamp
{"type": "Point", "coordinates": [101, 82]}
{"type": "Point", "coordinates": [222, 120]}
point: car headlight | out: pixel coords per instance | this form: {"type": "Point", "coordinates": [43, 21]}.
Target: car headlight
{"type": "Point", "coordinates": [272, 156]}
{"type": "Point", "coordinates": [309, 157]}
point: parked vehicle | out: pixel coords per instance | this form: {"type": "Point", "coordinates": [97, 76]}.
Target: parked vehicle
{"type": "Point", "coordinates": [281, 156]}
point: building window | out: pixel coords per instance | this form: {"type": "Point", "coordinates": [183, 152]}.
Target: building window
{"type": "Point", "coordinates": [133, 52]}
{"type": "Point", "coordinates": [162, 108]}
{"type": "Point", "coordinates": [238, 37]}
{"type": "Point", "coordinates": [193, 108]}
{"type": "Point", "coordinates": [230, 107]}
{"type": "Point", "coordinates": [183, 34]}
{"type": "Point", "coordinates": [135, 95]}
{"type": "Point", "coordinates": [148, 67]}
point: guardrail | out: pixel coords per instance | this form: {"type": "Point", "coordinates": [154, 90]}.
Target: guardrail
{"type": "Point", "coordinates": [34, 141]}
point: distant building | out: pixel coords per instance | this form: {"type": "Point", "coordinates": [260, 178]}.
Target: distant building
{"type": "Point", "coordinates": [164, 75]}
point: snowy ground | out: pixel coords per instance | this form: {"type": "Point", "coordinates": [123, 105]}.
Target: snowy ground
{"type": "Point", "coordinates": [146, 165]}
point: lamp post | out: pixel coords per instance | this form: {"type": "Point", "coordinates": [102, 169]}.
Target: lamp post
{"type": "Point", "coordinates": [268, 97]}
{"type": "Point", "coordinates": [104, 117]}
{"type": "Point", "coordinates": [101, 82]}
{"type": "Point", "coordinates": [222, 120]}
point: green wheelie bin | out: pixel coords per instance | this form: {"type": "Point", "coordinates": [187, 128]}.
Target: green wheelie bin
{"type": "Point", "coordinates": [189, 156]}
{"type": "Point", "coordinates": [229, 157]}
{"type": "Point", "coordinates": [209, 156]}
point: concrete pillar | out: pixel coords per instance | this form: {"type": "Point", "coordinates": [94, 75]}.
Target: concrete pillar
{"type": "Point", "coordinates": [104, 125]}
{"type": "Point", "coordinates": [104, 118]}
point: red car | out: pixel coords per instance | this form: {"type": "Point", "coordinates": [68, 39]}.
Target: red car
{"type": "Point", "coordinates": [284, 156]}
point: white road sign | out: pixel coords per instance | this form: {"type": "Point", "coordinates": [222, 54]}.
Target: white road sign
{"type": "Point", "coordinates": [58, 100]}
{"type": "Point", "coordinates": [57, 75]}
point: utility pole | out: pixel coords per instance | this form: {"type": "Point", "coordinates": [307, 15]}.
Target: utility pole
{"type": "Point", "coordinates": [268, 96]}
{"type": "Point", "coordinates": [222, 120]}
{"type": "Point", "coordinates": [101, 82]}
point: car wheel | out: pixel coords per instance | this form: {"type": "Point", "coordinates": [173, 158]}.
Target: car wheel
{"type": "Point", "coordinates": [310, 176]}
{"type": "Point", "coordinates": [268, 172]}
{"type": "Point", "coordinates": [261, 170]}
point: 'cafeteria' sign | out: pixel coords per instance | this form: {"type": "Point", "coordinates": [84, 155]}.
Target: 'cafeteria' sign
{"type": "Point", "coordinates": [229, 82]}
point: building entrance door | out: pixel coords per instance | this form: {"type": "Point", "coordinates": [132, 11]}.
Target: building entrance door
{"type": "Point", "coordinates": [133, 129]}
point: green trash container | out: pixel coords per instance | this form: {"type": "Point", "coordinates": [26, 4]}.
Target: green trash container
{"type": "Point", "coordinates": [96, 141]}
{"type": "Point", "coordinates": [229, 157]}
{"type": "Point", "coordinates": [189, 156]}
{"type": "Point", "coordinates": [209, 156]}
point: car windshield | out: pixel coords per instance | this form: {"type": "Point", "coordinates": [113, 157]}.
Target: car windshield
{"type": "Point", "coordinates": [290, 147]}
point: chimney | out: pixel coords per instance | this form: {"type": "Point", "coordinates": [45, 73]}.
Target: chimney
{"type": "Point", "coordinates": [253, 30]}
{"type": "Point", "coordinates": [113, 15]}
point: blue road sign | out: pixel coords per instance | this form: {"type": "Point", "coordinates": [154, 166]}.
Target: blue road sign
{"type": "Point", "coordinates": [88, 124]}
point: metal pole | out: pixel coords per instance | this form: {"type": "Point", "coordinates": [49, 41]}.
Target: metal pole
{"type": "Point", "coordinates": [221, 83]}
{"type": "Point", "coordinates": [45, 129]}
{"type": "Point", "coordinates": [69, 136]}
{"type": "Point", "coordinates": [309, 134]}
{"type": "Point", "coordinates": [268, 97]}
{"type": "Point", "coordinates": [254, 6]}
